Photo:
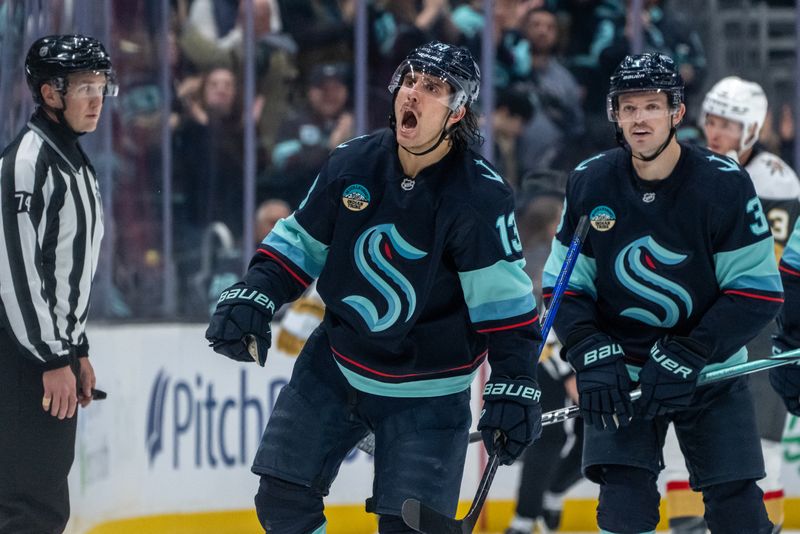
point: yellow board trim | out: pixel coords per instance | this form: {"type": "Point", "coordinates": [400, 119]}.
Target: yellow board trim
{"type": "Point", "coordinates": [579, 516]}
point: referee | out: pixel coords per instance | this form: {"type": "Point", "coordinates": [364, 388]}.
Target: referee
{"type": "Point", "coordinates": [51, 225]}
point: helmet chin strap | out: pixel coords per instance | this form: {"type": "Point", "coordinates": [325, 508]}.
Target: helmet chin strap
{"type": "Point", "coordinates": [445, 131]}
{"type": "Point", "coordinates": [442, 136]}
{"type": "Point", "coordinates": [621, 141]}
{"type": "Point", "coordinates": [660, 149]}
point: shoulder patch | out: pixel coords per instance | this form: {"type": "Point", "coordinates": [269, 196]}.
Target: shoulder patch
{"type": "Point", "coordinates": [356, 197]}
{"type": "Point", "coordinates": [603, 218]}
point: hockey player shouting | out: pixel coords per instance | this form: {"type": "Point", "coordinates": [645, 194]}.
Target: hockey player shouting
{"type": "Point", "coordinates": [413, 241]}
{"type": "Point", "coordinates": [678, 274]}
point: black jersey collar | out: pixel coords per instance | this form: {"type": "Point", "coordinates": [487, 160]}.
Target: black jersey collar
{"type": "Point", "coordinates": [389, 141]}
{"type": "Point", "coordinates": [675, 178]}
{"type": "Point", "coordinates": [62, 139]}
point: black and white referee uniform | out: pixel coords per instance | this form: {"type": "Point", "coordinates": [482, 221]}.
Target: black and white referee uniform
{"type": "Point", "coordinates": [51, 224]}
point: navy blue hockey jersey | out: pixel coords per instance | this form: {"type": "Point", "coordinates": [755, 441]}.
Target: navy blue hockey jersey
{"type": "Point", "coordinates": [690, 255]}
{"type": "Point", "coordinates": [420, 277]}
{"type": "Point", "coordinates": [789, 318]}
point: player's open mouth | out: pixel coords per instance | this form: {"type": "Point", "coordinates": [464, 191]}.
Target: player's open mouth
{"type": "Point", "coordinates": [409, 121]}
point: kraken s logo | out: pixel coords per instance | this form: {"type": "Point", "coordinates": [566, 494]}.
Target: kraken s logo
{"type": "Point", "coordinates": [376, 241]}
{"type": "Point", "coordinates": [636, 270]}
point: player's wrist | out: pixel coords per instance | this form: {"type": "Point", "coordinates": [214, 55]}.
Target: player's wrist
{"type": "Point", "coordinates": [56, 363]}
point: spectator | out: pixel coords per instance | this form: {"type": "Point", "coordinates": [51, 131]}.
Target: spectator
{"type": "Point", "coordinates": [512, 62]}
{"type": "Point", "coordinates": [207, 162]}
{"type": "Point", "coordinates": [559, 98]}
{"type": "Point", "coordinates": [308, 136]}
{"type": "Point", "coordinates": [275, 63]}
{"type": "Point", "coordinates": [512, 111]}
{"type": "Point", "coordinates": [322, 30]}
{"type": "Point", "coordinates": [268, 213]}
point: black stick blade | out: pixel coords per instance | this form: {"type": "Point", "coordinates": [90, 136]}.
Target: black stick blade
{"type": "Point", "coordinates": [427, 520]}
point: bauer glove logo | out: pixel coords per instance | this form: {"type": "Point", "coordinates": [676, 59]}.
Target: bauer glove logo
{"type": "Point", "coordinates": [512, 390]}
{"type": "Point", "coordinates": [669, 364]}
{"type": "Point", "coordinates": [612, 349]}
{"type": "Point", "coordinates": [238, 293]}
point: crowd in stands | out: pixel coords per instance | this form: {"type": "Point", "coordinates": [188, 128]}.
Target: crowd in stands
{"type": "Point", "coordinates": [552, 62]}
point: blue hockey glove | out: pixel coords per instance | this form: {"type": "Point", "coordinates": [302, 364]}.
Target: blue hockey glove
{"type": "Point", "coordinates": [510, 406]}
{"type": "Point", "coordinates": [603, 382]}
{"type": "Point", "coordinates": [241, 322]}
{"type": "Point", "coordinates": [785, 380]}
{"type": "Point", "coordinates": [669, 377]}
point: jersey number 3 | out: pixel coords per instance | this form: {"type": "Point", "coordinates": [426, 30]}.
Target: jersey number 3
{"type": "Point", "coordinates": [761, 225]}
{"type": "Point", "coordinates": [509, 236]}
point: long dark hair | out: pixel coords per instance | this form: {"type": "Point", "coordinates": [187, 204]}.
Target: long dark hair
{"type": "Point", "coordinates": [466, 133]}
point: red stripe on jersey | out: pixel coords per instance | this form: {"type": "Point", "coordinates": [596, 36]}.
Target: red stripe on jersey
{"type": "Point", "coordinates": [752, 295]}
{"type": "Point", "coordinates": [678, 485]}
{"type": "Point", "coordinates": [282, 264]}
{"type": "Point", "coordinates": [387, 375]}
{"type": "Point", "coordinates": [567, 292]}
{"type": "Point", "coordinates": [509, 327]}
{"type": "Point", "coordinates": [777, 494]}
{"type": "Point", "coordinates": [788, 271]}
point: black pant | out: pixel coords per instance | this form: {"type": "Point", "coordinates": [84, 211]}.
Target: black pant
{"type": "Point", "coordinates": [36, 449]}
{"type": "Point", "coordinates": [544, 468]}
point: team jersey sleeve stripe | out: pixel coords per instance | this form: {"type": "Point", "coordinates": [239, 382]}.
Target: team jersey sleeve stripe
{"type": "Point", "coordinates": [752, 295]}
{"type": "Point", "coordinates": [749, 267]}
{"type": "Point", "coordinates": [500, 291]}
{"type": "Point", "coordinates": [583, 275]}
{"type": "Point", "coordinates": [292, 241]}
{"type": "Point", "coordinates": [788, 270]}
{"type": "Point", "coordinates": [510, 326]}
{"type": "Point", "coordinates": [292, 272]}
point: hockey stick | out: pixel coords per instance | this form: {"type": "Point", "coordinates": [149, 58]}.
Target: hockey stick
{"type": "Point", "coordinates": [427, 520]}
{"type": "Point", "coordinates": [724, 373]}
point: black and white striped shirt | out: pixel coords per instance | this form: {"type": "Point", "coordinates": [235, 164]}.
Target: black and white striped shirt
{"type": "Point", "coordinates": [50, 231]}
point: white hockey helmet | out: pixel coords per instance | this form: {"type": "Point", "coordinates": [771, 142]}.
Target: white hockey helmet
{"type": "Point", "coordinates": [741, 101]}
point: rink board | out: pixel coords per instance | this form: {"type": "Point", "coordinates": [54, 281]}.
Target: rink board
{"type": "Point", "coordinates": [169, 451]}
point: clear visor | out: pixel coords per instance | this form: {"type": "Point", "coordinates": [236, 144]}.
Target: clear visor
{"type": "Point", "coordinates": [89, 89]}
{"type": "Point", "coordinates": [92, 90]}
{"type": "Point", "coordinates": [651, 106]}
{"type": "Point", "coordinates": [428, 82]}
